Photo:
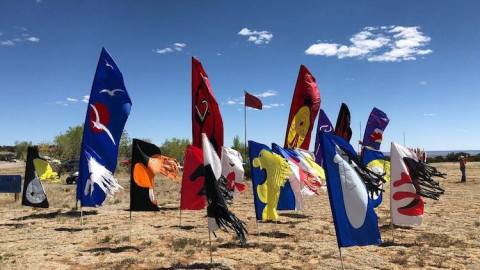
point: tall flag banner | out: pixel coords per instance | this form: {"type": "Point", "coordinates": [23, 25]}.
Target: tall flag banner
{"type": "Point", "coordinates": [206, 117]}
{"type": "Point", "coordinates": [233, 171]}
{"type": "Point", "coordinates": [323, 125]}
{"type": "Point", "coordinates": [144, 166]}
{"type": "Point", "coordinates": [411, 179]}
{"type": "Point", "coordinates": [303, 111]}
{"type": "Point", "coordinates": [376, 124]}
{"type": "Point", "coordinates": [356, 223]}
{"type": "Point", "coordinates": [108, 109]}
{"type": "Point", "coordinates": [219, 217]}
{"type": "Point", "coordinates": [371, 155]}
{"type": "Point", "coordinates": [33, 191]}
{"type": "Point", "coordinates": [253, 101]}
{"type": "Point", "coordinates": [269, 173]}
{"type": "Point", "coordinates": [342, 128]}
{"type": "Point", "coordinates": [192, 193]}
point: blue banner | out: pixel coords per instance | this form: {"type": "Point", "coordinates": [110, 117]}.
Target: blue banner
{"type": "Point", "coordinates": [356, 223]}
{"type": "Point", "coordinates": [108, 109]}
{"type": "Point", "coordinates": [10, 183]}
{"type": "Point", "coordinates": [377, 122]}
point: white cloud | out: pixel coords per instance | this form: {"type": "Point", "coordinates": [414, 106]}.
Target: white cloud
{"type": "Point", "coordinates": [85, 98]}
{"type": "Point", "coordinates": [33, 39]}
{"type": "Point", "coordinates": [272, 105]}
{"type": "Point", "coordinates": [232, 102]}
{"type": "Point", "coordinates": [422, 83]}
{"type": "Point", "coordinates": [177, 46]}
{"type": "Point", "coordinates": [72, 99]}
{"type": "Point", "coordinates": [268, 93]}
{"type": "Point", "coordinates": [19, 35]}
{"type": "Point", "coordinates": [429, 114]}
{"type": "Point", "coordinates": [256, 37]}
{"type": "Point", "coordinates": [378, 44]}
{"type": "Point", "coordinates": [7, 43]}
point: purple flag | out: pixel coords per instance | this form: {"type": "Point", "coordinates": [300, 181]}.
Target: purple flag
{"type": "Point", "coordinates": [377, 122]}
{"type": "Point", "coordinates": [323, 125]}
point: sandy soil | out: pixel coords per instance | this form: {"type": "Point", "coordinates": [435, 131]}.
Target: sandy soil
{"type": "Point", "coordinates": [53, 238]}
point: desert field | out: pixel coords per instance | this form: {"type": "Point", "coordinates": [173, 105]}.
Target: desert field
{"type": "Point", "coordinates": [53, 238]}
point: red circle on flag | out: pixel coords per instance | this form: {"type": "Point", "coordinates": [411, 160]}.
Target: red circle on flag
{"type": "Point", "coordinates": [103, 116]}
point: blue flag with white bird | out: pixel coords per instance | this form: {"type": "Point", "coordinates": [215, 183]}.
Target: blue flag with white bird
{"type": "Point", "coordinates": [356, 223]}
{"type": "Point", "coordinates": [107, 112]}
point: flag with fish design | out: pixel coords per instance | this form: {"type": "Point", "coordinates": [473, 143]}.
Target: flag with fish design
{"type": "Point", "coordinates": [107, 112]}
{"type": "Point", "coordinates": [269, 173]}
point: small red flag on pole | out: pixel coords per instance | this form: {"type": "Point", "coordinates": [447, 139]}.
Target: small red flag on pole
{"type": "Point", "coordinates": [252, 101]}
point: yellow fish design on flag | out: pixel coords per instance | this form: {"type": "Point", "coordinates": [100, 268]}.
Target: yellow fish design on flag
{"type": "Point", "coordinates": [45, 171]}
{"type": "Point", "coordinates": [277, 172]}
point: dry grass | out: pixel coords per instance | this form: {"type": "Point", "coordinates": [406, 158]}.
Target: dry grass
{"type": "Point", "coordinates": [53, 238]}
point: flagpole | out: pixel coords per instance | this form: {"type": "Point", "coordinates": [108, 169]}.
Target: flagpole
{"type": "Point", "coordinates": [360, 138]}
{"type": "Point", "coordinates": [341, 258]}
{"type": "Point", "coordinates": [245, 127]}
{"type": "Point", "coordinates": [210, 241]}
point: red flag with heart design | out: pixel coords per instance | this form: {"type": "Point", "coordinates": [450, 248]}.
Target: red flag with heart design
{"type": "Point", "coordinates": [206, 117]}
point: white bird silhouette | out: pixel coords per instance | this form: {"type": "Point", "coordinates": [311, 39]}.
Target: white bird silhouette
{"type": "Point", "coordinates": [112, 92]}
{"type": "Point", "coordinates": [98, 125]}
{"type": "Point", "coordinates": [108, 65]}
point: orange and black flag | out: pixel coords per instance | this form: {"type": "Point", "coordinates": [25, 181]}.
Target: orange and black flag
{"type": "Point", "coordinates": [206, 117]}
{"type": "Point", "coordinates": [303, 111]}
{"type": "Point", "coordinates": [342, 128]}
{"type": "Point", "coordinates": [145, 165]}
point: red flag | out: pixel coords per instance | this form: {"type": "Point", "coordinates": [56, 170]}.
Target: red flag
{"type": "Point", "coordinates": [206, 117]}
{"type": "Point", "coordinates": [303, 111]}
{"type": "Point", "coordinates": [252, 101]}
{"type": "Point", "coordinates": [342, 128]}
{"type": "Point", "coordinates": [192, 193]}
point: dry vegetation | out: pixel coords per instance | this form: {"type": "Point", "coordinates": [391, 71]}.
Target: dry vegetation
{"type": "Point", "coordinates": [54, 239]}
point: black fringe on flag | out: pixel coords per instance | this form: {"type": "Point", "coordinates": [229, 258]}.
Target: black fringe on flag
{"type": "Point", "coordinates": [217, 208]}
{"type": "Point", "coordinates": [372, 180]}
{"type": "Point", "coordinates": [421, 174]}
{"type": "Point", "coordinates": [222, 186]}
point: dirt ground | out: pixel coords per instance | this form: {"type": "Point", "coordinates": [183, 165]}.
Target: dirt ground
{"type": "Point", "coordinates": [53, 238]}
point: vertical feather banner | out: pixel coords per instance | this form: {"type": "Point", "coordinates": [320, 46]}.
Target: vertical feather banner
{"type": "Point", "coordinates": [323, 125]}
{"type": "Point", "coordinates": [303, 111]}
{"type": "Point", "coordinates": [206, 117]}
{"type": "Point", "coordinates": [342, 128]}
{"type": "Point", "coordinates": [107, 112]}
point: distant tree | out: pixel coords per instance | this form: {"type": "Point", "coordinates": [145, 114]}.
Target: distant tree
{"type": "Point", "coordinates": [21, 149]}
{"type": "Point", "coordinates": [240, 147]}
{"type": "Point", "coordinates": [175, 148]}
{"type": "Point", "coordinates": [68, 144]}
{"type": "Point", "coordinates": [125, 147]}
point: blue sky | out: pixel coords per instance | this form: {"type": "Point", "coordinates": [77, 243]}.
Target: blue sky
{"type": "Point", "coordinates": [419, 61]}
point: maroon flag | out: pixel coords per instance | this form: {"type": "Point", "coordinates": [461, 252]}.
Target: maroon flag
{"type": "Point", "coordinates": [206, 117]}
{"type": "Point", "coordinates": [252, 101]}
{"type": "Point", "coordinates": [342, 128]}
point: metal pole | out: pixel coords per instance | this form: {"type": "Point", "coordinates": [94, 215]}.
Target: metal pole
{"type": "Point", "coordinates": [210, 241]}
{"type": "Point", "coordinates": [341, 258]}
{"type": "Point", "coordinates": [360, 138]}
{"type": "Point", "coordinates": [404, 144]}
{"type": "Point", "coordinates": [245, 127]}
